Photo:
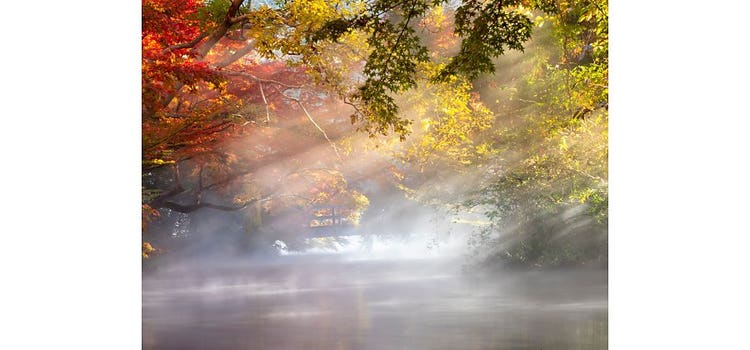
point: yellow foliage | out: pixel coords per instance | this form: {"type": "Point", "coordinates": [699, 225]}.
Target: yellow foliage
{"type": "Point", "coordinates": [147, 250]}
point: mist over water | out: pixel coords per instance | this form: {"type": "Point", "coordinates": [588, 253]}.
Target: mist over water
{"type": "Point", "coordinates": [414, 272]}
{"type": "Point", "coordinates": [406, 282]}
{"type": "Point", "coordinates": [371, 293]}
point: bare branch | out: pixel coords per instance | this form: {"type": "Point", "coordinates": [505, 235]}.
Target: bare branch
{"type": "Point", "coordinates": [236, 56]}
{"type": "Point", "coordinates": [243, 74]}
{"type": "Point", "coordinates": [335, 150]}
{"type": "Point", "coordinates": [185, 45]}
{"type": "Point", "coordinates": [356, 108]}
{"type": "Point", "coordinates": [164, 139]}
{"type": "Point", "coordinates": [239, 19]}
{"type": "Point", "coordinates": [601, 180]}
{"type": "Point", "coordinates": [182, 208]}
{"type": "Point", "coordinates": [529, 101]}
{"type": "Point", "coordinates": [268, 110]}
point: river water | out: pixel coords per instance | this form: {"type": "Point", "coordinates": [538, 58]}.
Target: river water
{"type": "Point", "coordinates": [333, 302]}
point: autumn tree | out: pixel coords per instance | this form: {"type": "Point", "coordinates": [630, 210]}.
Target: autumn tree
{"type": "Point", "coordinates": [529, 150]}
{"type": "Point", "coordinates": [220, 70]}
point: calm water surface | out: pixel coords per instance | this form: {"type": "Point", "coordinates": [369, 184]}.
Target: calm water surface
{"type": "Point", "coordinates": [327, 302]}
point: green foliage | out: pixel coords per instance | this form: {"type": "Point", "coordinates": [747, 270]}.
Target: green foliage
{"type": "Point", "coordinates": [488, 28]}
{"type": "Point", "coordinates": [390, 68]}
{"type": "Point", "coordinates": [212, 12]}
{"type": "Point", "coordinates": [538, 153]}
{"type": "Point", "coordinates": [563, 123]}
{"type": "Point", "coordinates": [422, 67]}
{"type": "Point", "coordinates": [302, 32]}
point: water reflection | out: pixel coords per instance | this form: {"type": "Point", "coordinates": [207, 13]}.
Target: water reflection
{"type": "Point", "coordinates": [324, 303]}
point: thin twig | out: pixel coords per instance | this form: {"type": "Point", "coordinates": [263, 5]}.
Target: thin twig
{"type": "Point", "coordinates": [335, 150]}
{"type": "Point", "coordinates": [268, 111]}
{"type": "Point", "coordinates": [243, 74]}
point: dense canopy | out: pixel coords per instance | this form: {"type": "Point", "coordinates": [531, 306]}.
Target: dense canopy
{"type": "Point", "coordinates": [263, 108]}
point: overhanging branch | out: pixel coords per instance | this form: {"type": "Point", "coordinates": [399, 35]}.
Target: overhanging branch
{"type": "Point", "coordinates": [262, 80]}
{"type": "Point", "coordinates": [187, 44]}
{"type": "Point", "coordinates": [182, 208]}
{"type": "Point", "coordinates": [309, 117]}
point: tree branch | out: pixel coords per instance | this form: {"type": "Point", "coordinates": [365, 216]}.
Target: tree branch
{"type": "Point", "coordinates": [409, 16]}
{"type": "Point", "coordinates": [220, 31]}
{"type": "Point", "coordinates": [357, 112]}
{"type": "Point", "coordinates": [593, 177]}
{"type": "Point", "coordinates": [239, 19]}
{"type": "Point", "coordinates": [188, 123]}
{"type": "Point", "coordinates": [309, 117]}
{"type": "Point", "coordinates": [236, 56]}
{"type": "Point", "coordinates": [268, 110]}
{"type": "Point", "coordinates": [248, 75]}
{"type": "Point", "coordinates": [193, 207]}
{"type": "Point", "coordinates": [185, 45]}
{"type": "Point", "coordinates": [203, 47]}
